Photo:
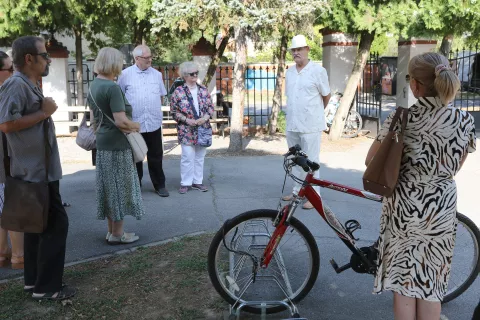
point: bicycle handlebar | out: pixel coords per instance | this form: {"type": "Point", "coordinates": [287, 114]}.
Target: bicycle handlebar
{"type": "Point", "coordinates": [301, 159]}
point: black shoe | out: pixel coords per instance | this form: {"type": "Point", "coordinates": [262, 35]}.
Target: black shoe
{"type": "Point", "coordinates": [162, 192]}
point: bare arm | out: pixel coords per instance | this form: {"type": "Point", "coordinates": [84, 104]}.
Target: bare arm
{"type": "Point", "coordinates": [325, 100]}
{"type": "Point", "coordinates": [23, 122]}
{"type": "Point", "coordinates": [48, 108]}
{"type": "Point", "coordinates": [372, 151]}
{"type": "Point", "coordinates": [125, 124]}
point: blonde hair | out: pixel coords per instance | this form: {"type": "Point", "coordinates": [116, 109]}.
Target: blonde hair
{"type": "Point", "coordinates": [109, 61]}
{"type": "Point", "coordinates": [187, 67]}
{"type": "Point", "coordinates": [433, 71]}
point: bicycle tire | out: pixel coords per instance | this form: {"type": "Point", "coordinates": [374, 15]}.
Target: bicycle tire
{"type": "Point", "coordinates": [358, 119]}
{"type": "Point", "coordinates": [475, 233]}
{"type": "Point", "coordinates": [217, 242]}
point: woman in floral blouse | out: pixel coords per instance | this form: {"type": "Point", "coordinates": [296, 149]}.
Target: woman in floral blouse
{"type": "Point", "coordinates": [191, 107]}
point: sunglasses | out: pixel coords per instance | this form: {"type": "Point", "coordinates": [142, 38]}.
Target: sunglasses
{"type": "Point", "coordinates": [9, 70]}
{"type": "Point", "coordinates": [44, 55]}
{"type": "Point", "coordinates": [408, 78]}
{"type": "Point", "coordinates": [193, 74]}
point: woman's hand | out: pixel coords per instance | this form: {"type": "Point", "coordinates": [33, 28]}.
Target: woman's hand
{"type": "Point", "coordinates": [191, 122]}
{"type": "Point", "coordinates": [201, 121]}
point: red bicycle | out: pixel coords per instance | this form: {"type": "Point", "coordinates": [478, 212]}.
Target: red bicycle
{"type": "Point", "coordinates": [267, 260]}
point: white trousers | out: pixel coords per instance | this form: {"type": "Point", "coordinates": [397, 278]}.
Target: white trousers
{"type": "Point", "coordinates": [310, 144]}
{"type": "Point", "coordinates": [191, 165]}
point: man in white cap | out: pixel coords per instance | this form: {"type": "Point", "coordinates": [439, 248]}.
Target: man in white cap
{"type": "Point", "coordinates": [308, 93]}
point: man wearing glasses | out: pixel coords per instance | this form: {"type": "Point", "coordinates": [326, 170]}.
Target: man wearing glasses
{"type": "Point", "coordinates": [308, 93]}
{"type": "Point", "coordinates": [143, 88]}
{"type": "Point", "coordinates": [23, 113]}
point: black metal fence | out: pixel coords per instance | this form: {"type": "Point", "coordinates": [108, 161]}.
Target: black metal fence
{"type": "Point", "coordinates": [369, 91]}
{"type": "Point", "coordinates": [466, 64]}
{"type": "Point", "coordinates": [73, 83]}
{"type": "Point", "coordinates": [260, 81]}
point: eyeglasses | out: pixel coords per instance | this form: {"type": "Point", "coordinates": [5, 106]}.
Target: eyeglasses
{"type": "Point", "coordinates": [10, 70]}
{"type": "Point", "coordinates": [44, 55]}
{"type": "Point", "coordinates": [408, 78]}
{"type": "Point", "coordinates": [146, 58]}
{"type": "Point", "coordinates": [193, 74]}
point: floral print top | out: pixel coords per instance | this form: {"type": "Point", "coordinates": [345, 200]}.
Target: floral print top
{"type": "Point", "coordinates": [181, 102]}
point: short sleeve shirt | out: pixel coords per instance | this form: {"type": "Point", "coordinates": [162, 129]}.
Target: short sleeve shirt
{"type": "Point", "coordinates": [144, 90]}
{"type": "Point", "coordinates": [20, 97]}
{"type": "Point", "coordinates": [304, 91]}
{"type": "Point", "coordinates": [107, 95]}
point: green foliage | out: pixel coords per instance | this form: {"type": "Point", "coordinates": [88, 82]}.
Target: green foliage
{"type": "Point", "coordinates": [282, 122]}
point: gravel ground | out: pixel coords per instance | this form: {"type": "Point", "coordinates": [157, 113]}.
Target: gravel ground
{"type": "Point", "coordinates": [260, 145]}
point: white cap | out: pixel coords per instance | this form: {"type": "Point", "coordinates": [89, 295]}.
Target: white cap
{"type": "Point", "coordinates": [298, 41]}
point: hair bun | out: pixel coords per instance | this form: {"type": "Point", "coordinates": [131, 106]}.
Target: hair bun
{"type": "Point", "coordinates": [441, 67]}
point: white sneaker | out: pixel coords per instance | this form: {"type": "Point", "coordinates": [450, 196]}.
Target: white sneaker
{"type": "Point", "coordinates": [124, 239]}
{"type": "Point", "coordinates": [127, 233]}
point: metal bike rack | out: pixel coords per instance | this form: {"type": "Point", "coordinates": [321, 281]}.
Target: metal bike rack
{"type": "Point", "coordinates": [236, 308]}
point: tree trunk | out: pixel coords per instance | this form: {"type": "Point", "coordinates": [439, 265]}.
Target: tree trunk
{"type": "Point", "coordinates": [338, 124]}
{"type": "Point", "coordinates": [212, 68]}
{"type": "Point", "coordinates": [277, 95]}
{"type": "Point", "coordinates": [446, 46]}
{"type": "Point", "coordinates": [79, 62]}
{"type": "Point", "coordinates": [238, 95]}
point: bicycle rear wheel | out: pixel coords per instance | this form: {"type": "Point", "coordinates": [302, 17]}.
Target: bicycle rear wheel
{"type": "Point", "coordinates": [290, 275]}
{"type": "Point", "coordinates": [466, 258]}
{"type": "Point", "coordinates": [353, 124]}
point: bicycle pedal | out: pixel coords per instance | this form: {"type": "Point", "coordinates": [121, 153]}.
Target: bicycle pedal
{"type": "Point", "coordinates": [339, 269]}
{"type": "Point", "coordinates": [351, 226]}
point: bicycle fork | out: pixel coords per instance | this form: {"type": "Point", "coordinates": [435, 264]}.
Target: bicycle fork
{"type": "Point", "coordinates": [281, 224]}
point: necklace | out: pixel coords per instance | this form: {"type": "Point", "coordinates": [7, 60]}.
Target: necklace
{"type": "Point", "coordinates": [192, 87]}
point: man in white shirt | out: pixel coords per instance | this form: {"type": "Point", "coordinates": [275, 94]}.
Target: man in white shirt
{"type": "Point", "coordinates": [143, 87]}
{"type": "Point", "coordinates": [308, 92]}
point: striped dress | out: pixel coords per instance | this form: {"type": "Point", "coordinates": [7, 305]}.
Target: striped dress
{"type": "Point", "coordinates": [418, 222]}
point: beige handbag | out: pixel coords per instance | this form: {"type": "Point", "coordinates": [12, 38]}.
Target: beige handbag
{"type": "Point", "coordinates": [135, 139]}
{"type": "Point", "coordinates": [382, 172]}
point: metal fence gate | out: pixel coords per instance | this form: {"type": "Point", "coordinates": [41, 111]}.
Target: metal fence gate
{"type": "Point", "coordinates": [368, 98]}
{"type": "Point", "coordinates": [466, 64]}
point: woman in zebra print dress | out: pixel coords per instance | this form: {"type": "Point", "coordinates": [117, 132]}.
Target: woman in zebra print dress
{"type": "Point", "coordinates": [418, 222]}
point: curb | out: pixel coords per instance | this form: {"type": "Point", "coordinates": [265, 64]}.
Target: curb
{"type": "Point", "coordinates": [121, 252]}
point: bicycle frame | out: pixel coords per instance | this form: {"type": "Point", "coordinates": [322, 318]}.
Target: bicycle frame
{"type": "Point", "coordinates": [311, 195]}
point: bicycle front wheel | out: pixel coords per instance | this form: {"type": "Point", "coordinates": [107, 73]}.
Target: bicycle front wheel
{"type": "Point", "coordinates": [290, 275]}
{"type": "Point", "coordinates": [466, 258]}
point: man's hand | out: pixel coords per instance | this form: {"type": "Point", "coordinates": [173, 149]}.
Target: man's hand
{"type": "Point", "coordinates": [49, 106]}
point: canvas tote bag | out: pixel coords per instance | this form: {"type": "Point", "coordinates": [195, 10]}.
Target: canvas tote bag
{"type": "Point", "coordinates": [382, 172]}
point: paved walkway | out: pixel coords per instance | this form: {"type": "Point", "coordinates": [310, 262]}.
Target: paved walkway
{"type": "Point", "coordinates": [238, 184]}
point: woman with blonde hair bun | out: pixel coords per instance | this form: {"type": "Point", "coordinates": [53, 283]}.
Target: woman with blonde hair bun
{"type": "Point", "coordinates": [418, 222]}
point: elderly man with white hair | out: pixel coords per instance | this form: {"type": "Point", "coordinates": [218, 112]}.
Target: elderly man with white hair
{"type": "Point", "coordinates": [308, 93]}
{"type": "Point", "coordinates": [143, 87]}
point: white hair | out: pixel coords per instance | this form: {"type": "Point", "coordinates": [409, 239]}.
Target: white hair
{"type": "Point", "coordinates": [138, 51]}
{"type": "Point", "coordinates": [187, 67]}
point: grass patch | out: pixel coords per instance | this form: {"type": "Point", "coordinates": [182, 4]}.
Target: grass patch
{"type": "Point", "coordinates": [163, 282]}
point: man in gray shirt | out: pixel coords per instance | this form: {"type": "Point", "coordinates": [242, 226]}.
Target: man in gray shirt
{"type": "Point", "coordinates": [23, 111]}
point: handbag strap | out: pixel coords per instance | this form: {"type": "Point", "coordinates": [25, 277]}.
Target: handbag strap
{"type": "Point", "coordinates": [396, 117]}
{"type": "Point", "coordinates": [103, 114]}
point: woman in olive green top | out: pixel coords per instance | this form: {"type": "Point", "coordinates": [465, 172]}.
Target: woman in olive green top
{"type": "Point", "coordinates": [118, 187]}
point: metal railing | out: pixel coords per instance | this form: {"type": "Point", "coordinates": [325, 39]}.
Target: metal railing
{"type": "Point", "coordinates": [88, 77]}
{"type": "Point", "coordinates": [369, 91]}
{"type": "Point", "coordinates": [466, 64]}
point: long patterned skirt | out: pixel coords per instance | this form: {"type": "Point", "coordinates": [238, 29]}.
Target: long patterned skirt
{"type": "Point", "coordinates": [118, 187]}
